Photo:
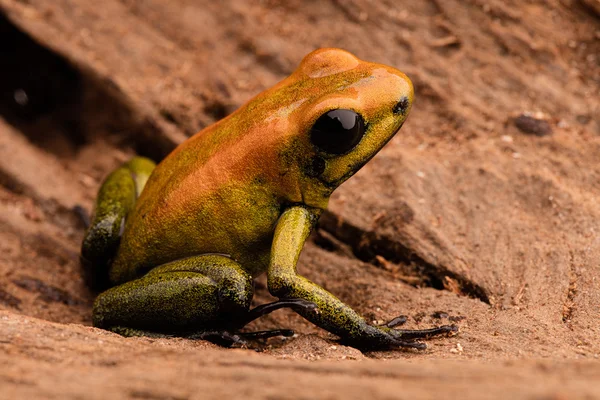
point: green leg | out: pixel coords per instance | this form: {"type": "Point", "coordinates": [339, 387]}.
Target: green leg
{"type": "Point", "coordinates": [201, 297]}
{"type": "Point", "coordinates": [115, 201]}
{"type": "Point", "coordinates": [332, 314]}
{"type": "Point", "coordinates": [199, 293]}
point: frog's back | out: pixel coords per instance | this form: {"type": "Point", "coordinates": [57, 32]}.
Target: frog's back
{"type": "Point", "coordinates": [203, 198]}
{"type": "Point", "coordinates": [223, 190]}
{"type": "Point", "coordinates": [218, 192]}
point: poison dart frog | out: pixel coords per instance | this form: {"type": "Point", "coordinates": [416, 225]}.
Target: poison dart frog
{"type": "Point", "coordinates": [176, 246]}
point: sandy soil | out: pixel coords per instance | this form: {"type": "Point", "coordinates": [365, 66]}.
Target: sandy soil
{"type": "Point", "coordinates": [484, 210]}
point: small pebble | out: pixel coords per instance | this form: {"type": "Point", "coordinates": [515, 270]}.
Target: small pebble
{"type": "Point", "coordinates": [457, 349]}
{"type": "Point", "coordinates": [533, 126]}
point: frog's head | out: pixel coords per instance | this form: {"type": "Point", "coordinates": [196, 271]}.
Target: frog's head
{"type": "Point", "coordinates": [350, 110]}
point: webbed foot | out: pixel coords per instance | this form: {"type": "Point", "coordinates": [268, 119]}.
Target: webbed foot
{"type": "Point", "coordinates": [229, 339]}
{"type": "Point", "coordinates": [386, 337]}
{"type": "Point", "coordinates": [407, 337]}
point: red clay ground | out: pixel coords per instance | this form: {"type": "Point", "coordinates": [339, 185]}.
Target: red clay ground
{"type": "Point", "coordinates": [474, 213]}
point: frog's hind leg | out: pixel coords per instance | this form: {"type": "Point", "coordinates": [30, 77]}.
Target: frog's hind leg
{"type": "Point", "coordinates": [115, 201]}
{"type": "Point", "coordinates": [198, 293]}
{"type": "Point", "coordinates": [203, 297]}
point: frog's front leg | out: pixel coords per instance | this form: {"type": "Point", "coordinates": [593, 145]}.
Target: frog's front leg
{"type": "Point", "coordinates": [333, 315]}
{"type": "Point", "coordinates": [116, 199]}
{"type": "Point", "coordinates": [204, 297]}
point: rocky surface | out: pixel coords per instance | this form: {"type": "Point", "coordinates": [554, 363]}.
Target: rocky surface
{"type": "Point", "coordinates": [470, 214]}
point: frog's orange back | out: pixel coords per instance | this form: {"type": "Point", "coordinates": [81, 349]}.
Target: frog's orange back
{"type": "Point", "coordinates": [222, 190]}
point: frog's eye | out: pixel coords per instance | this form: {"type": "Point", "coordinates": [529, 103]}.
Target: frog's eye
{"type": "Point", "coordinates": [337, 131]}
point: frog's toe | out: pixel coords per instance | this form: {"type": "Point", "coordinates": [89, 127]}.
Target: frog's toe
{"type": "Point", "coordinates": [267, 334]}
{"type": "Point", "coordinates": [389, 340]}
{"type": "Point", "coordinates": [229, 339]}
{"type": "Point", "coordinates": [410, 334]}
{"type": "Point", "coordinates": [400, 320]}
{"type": "Point", "coordinates": [407, 338]}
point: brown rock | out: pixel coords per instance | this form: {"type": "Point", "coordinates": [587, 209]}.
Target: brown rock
{"type": "Point", "coordinates": [450, 219]}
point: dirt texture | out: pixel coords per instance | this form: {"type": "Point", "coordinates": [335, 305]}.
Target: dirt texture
{"type": "Point", "coordinates": [483, 211]}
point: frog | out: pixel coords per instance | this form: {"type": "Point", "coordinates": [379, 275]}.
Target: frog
{"type": "Point", "coordinates": [173, 249]}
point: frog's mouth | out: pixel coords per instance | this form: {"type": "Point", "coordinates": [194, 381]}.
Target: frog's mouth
{"type": "Point", "coordinates": [315, 193]}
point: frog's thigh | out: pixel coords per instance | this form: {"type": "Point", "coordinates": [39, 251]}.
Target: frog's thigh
{"type": "Point", "coordinates": [195, 293]}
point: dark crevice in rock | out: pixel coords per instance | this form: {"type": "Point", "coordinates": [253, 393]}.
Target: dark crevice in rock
{"type": "Point", "coordinates": [12, 184]}
{"type": "Point", "coordinates": [37, 89]}
{"type": "Point", "coordinates": [9, 300]}
{"type": "Point", "coordinates": [372, 247]}
{"type": "Point", "coordinates": [61, 105]}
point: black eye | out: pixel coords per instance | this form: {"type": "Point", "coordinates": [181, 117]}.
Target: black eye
{"type": "Point", "coordinates": [337, 131]}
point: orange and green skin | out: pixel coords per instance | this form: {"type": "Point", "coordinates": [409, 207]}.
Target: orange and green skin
{"type": "Point", "coordinates": [240, 198]}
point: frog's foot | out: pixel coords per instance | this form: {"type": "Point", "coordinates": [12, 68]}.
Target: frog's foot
{"type": "Point", "coordinates": [412, 334]}
{"type": "Point", "coordinates": [401, 320]}
{"type": "Point", "coordinates": [229, 339]}
{"type": "Point", "coordinates": [407, 336]}
{"type": "Point", "coordinates": [267, 334]}
{"type": "Point", "coordinates": [226, 338]}
{"type": "Point", "coordinates": [220, 337]}
{"type": "Point", "coordinates": [294, 304]}
{"type": "Point", "coordinates": [385, 337]}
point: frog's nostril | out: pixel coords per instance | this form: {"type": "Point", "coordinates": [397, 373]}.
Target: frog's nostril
{"type": "Point", "coordinates": [402, 106]}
